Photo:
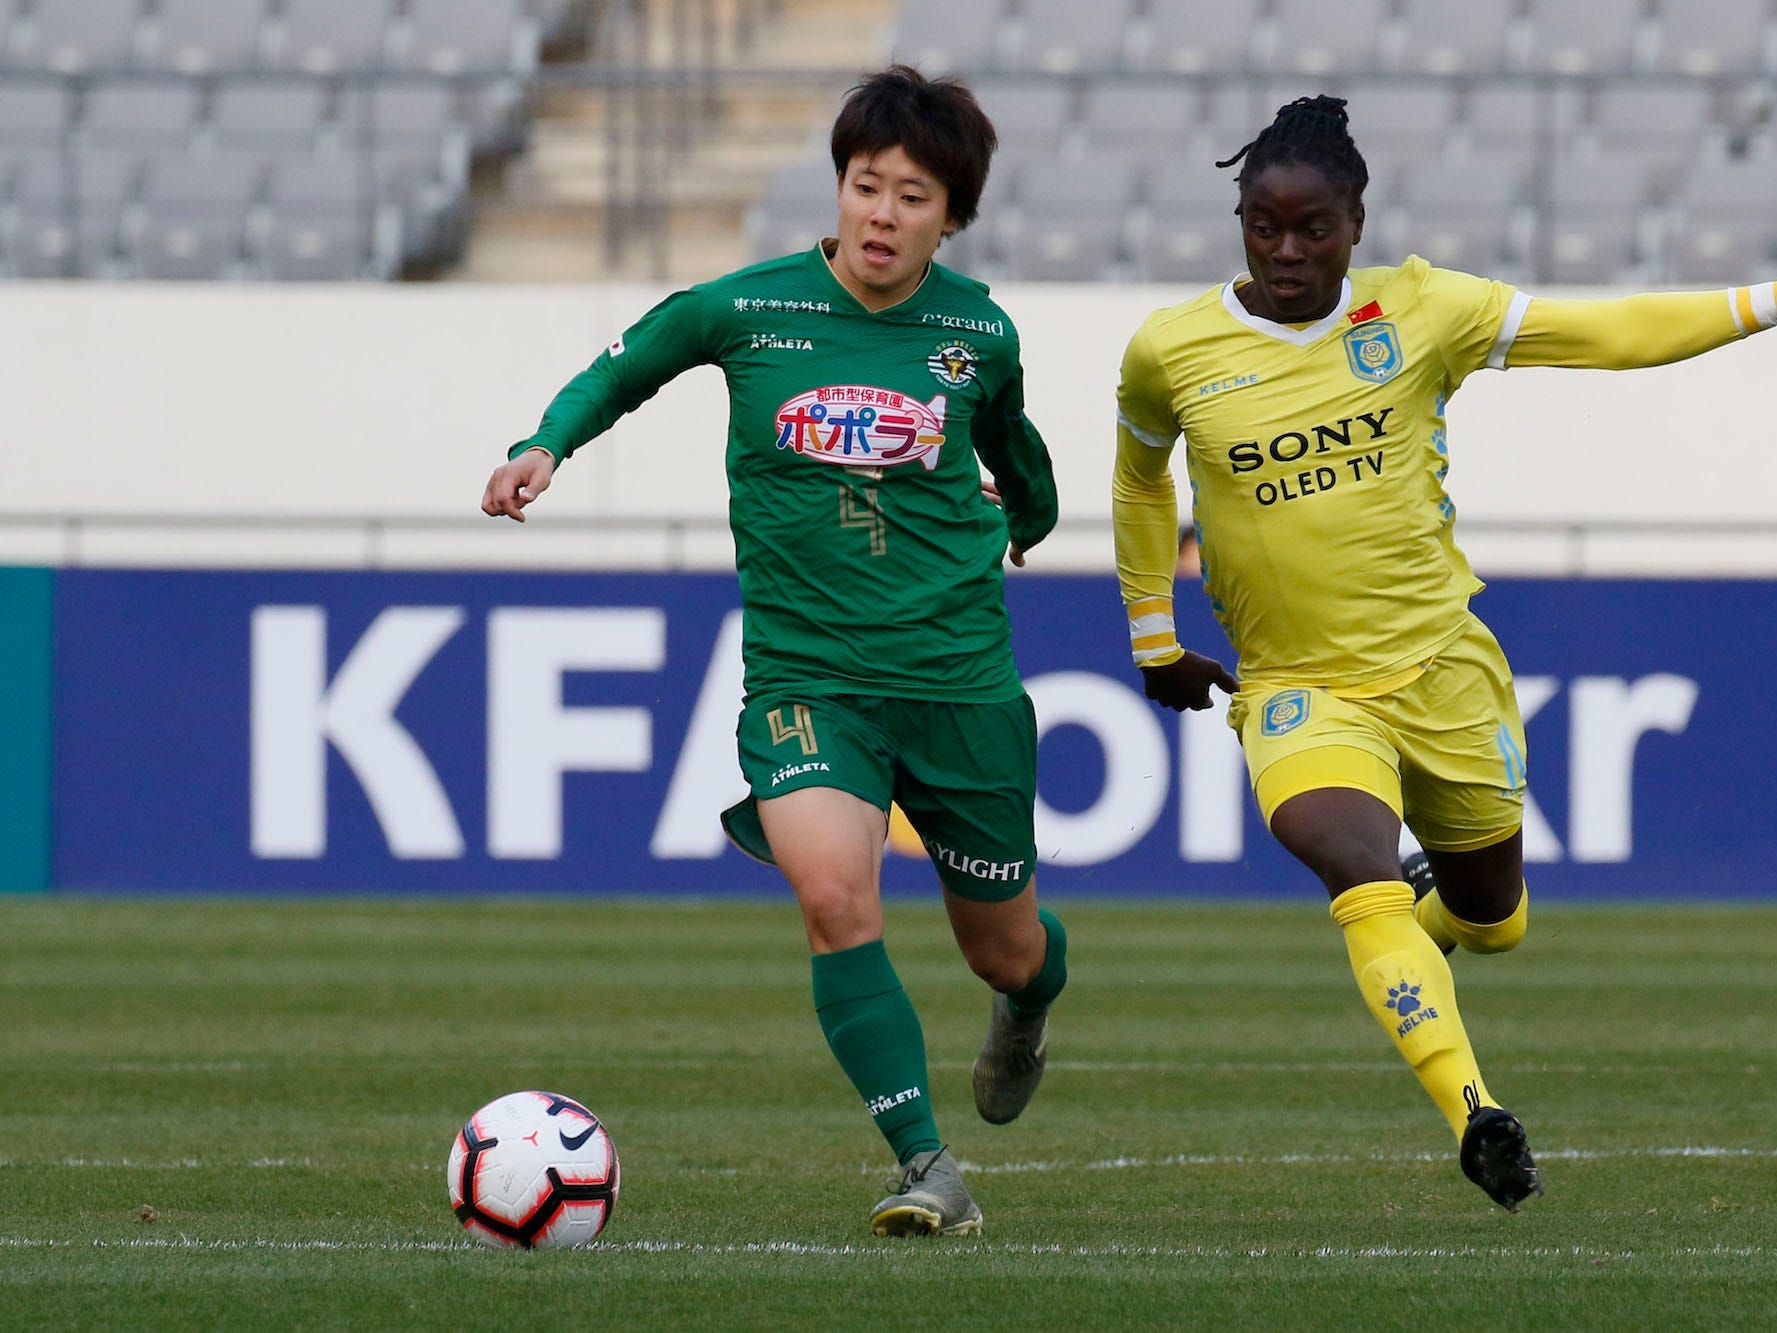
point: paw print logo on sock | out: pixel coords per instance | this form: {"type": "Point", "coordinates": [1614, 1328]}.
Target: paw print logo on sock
{"type": "Point", "coordinates": [1404, 998]}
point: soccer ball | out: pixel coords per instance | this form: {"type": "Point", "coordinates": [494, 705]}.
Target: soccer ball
{"type": "Point", "coordinates": [533, 1170]}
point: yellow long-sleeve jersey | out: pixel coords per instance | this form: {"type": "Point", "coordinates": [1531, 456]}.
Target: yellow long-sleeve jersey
{"type": "Point", "coordinates": [1317, 456]}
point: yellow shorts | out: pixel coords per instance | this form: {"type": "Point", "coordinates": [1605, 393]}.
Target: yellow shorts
{"type": "Point", "coordinates": [1445, 750]}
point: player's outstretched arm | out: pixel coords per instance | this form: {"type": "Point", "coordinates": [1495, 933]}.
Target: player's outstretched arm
{"type": "Point", "coordinates": [514, 485]}
{"type": "Point", "coordinates": [1630, 332]}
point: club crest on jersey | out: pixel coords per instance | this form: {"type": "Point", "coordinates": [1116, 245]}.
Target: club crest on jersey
{"type": "Point", "coordinates": [1374, 351]}
{"type": "Point", "coordinates": [1284, 711]}
{"type": "Point", "coordinates": [953, 363]}
{"type": "Point", "coordinates": [856, 425]}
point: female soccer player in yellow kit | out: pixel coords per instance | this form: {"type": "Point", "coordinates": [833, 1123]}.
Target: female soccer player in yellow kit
{"type": "Point", "coordinates": [1310, 398]}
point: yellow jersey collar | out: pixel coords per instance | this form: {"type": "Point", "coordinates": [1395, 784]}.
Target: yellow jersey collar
{"type": "Point", "coordinates": [1289, 333]}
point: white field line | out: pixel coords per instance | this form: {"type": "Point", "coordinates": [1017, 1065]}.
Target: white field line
{"type": "Point", "coordinates": [1339, 1159]}
{"type": "Point", "coordinates": [1692, 1151]}
{"type": "Point", "coordinates": [1379, 1066]}
{"type": "Point", "coordinates": [800, 1249]}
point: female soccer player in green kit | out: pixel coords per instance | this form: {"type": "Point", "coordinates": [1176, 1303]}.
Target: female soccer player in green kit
{"type": "Point", "coordinates": [1310, 398]}
{"type": "Point", "coordinates": [864, 382]}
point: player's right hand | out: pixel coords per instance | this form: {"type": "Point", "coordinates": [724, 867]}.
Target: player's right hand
{"type": "Point", "coordinates": [1186, 683]}
{"type": "Point", "coordinates": [514, 485]}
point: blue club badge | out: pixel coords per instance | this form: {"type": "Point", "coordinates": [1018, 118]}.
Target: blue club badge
{"type": "Point", "coordinates": [1374, 351]}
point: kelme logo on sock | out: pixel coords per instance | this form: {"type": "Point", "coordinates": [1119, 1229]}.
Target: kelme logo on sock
{"type": "Point", "coordinates": [1404, 1000]}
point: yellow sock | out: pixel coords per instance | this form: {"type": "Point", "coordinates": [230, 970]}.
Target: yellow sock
{"type": "Point", "coordinates": [1407, 985]}
{"type": "Point", "coordinates": [1448, 930]}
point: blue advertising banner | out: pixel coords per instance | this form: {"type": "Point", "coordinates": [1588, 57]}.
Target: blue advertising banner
{"type": "Point", "coordinates": [446, 732]}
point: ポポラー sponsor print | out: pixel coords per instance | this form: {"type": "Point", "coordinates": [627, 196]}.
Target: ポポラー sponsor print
{"type": "Point", "coordinates": [857, 425]}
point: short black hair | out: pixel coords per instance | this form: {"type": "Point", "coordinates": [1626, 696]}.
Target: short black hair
{"type": "Point", "coordinates": [936, 122]}
{"type": "Point", "coordinates": [1312, 131]}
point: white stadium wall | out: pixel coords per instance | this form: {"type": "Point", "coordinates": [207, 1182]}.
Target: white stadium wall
{"type": "Point", "coordinates": [340, 426]}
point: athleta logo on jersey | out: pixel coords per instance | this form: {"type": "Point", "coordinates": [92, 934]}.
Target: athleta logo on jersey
{"type": "Point", "coordinates": [855, 425]}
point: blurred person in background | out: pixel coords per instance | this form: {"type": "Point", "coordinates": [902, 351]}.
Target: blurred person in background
{"type": "Point", "coordinates": [1310, 398]}
{"type": "Point", "coordinates": [867, 387]}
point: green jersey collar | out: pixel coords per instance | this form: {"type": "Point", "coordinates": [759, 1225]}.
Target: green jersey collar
{"type": "Point", "coordinates": [918, 294]}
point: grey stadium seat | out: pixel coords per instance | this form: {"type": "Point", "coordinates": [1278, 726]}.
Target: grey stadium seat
{"type": "Point", "coordinates": [1314, 37]}
{"type": "Point", "coordinates": [1062, 35]}
{"type": "Point", "coordinates": [145, 112]}
{"type": "Point", "coordinates": [36, 211]}
{"type": "Point", "coordinates": [1197, 36]}
{"type": "Point", "coordinates": [1188, 250]}
{"type": "Point", "coordinates": [195, 212]}
{"type": "Point", "coordinates": [1459, 214]}
{"type": "Point", "coordinates": [809, 182]}
{"type": "Point", "coordinates": [1712, 36]}
{"type": "Point", "coordinates": [484, 36]}
{"type": "Point", "coordinates": [1454, 36]}
{"type": "Point", "coordinates": [1188, 231]}
{"type": "Point", "coordinates": [1028, 114]}
{"type": "Point", "coordinates": [1724, 223]}
{"type": "Point", "coordinates": [1598, 36]}
{"type": "Point", "coordinates": [1666, 124]}
{"type": "Point", "coordinates": [942, 36]}
{"type": "Point", "coordinates": [202, 36]}
{"type": "Point", "coordinates": [779, 229]}
{"type": "Point", "coordinates": [1079, 249]}
{"type": "Point", "coordinates": [1152, 114]}
{"type": "Point", "coordinates": [331, 36]}
{"type": "Point", "coordinates": [1400, 119]}
{"type": "Point", "coordinates": [1591, 228]}
{"type": "Point", "coordinates": [325, 224]}
{"type": "Point", "coordinates": [271, 114]}
{"type": "Point", "coordinates": [1517, 117]}
{"type": "Point", "coordinates": [76, 36]}
{"type": "Point", "coordinates": [34, 111]}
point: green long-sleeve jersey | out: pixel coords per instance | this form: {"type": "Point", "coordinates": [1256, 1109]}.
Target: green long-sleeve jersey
{"type": "Point", "coordinates": [869, 560]}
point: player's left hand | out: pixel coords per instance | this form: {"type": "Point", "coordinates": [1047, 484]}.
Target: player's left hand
{"type": "Point", "coordinates": [1186, 683]}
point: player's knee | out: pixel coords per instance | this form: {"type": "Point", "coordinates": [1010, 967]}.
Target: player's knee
{"type": "Point", "coordinates": [1004, 970]}
{"type": "Point", "coordinates": [1496, 937]}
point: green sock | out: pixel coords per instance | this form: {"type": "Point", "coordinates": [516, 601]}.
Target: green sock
{"type": "Point", "coordinates": [876, 1037]}
{"type": "Point", "coordinates": [1050, 978]}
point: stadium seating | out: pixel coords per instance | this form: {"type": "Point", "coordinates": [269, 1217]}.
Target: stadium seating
{"type": "Point", "coordinates": [1538, 139]}
{"type": "Point", "coordinates": [253, 138]}
{"type": "Point", "coordinates": [150, 137]}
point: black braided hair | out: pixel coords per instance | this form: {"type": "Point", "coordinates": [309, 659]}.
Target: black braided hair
{"type": "Point", "coordinates": [1312, 131]}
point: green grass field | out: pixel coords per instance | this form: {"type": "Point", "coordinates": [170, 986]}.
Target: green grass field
{"type": "Point", "coordinates": [1224, 1140]}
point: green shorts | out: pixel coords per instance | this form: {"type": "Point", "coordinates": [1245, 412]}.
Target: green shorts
{"type": "Point", "coordinates": [965, 775]}
{"type": "Point", "coordinates": [1445, 750]}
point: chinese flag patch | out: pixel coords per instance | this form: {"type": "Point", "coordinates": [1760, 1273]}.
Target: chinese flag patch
{"type": "Point", "coordinates": [1364, 314]}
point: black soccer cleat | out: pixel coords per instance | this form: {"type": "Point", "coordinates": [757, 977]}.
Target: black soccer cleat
{"type": "Point", "coordinates": [1496, 1156]}
{"type": "Point", "coordinates": [1416, 870]}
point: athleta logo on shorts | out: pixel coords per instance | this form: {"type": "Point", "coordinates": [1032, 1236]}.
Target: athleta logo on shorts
{"type": "Point", "coordinates": [977, 867]}
{"type": "Point", "coordinates": [855, 425]}
{"type": "Point", "coordinates": [1284, 712]}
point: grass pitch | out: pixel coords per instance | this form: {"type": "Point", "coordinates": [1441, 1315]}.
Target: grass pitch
{"type": "Point", "coordinates": [1224, 1139]}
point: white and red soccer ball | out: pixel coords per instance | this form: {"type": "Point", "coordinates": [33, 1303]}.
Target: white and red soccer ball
{"type": "Point", "coordinates": [533, 1170]}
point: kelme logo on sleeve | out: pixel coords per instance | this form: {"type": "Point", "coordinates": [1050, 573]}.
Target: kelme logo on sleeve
{"type": "Point", "coordinates": [855, 425]}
